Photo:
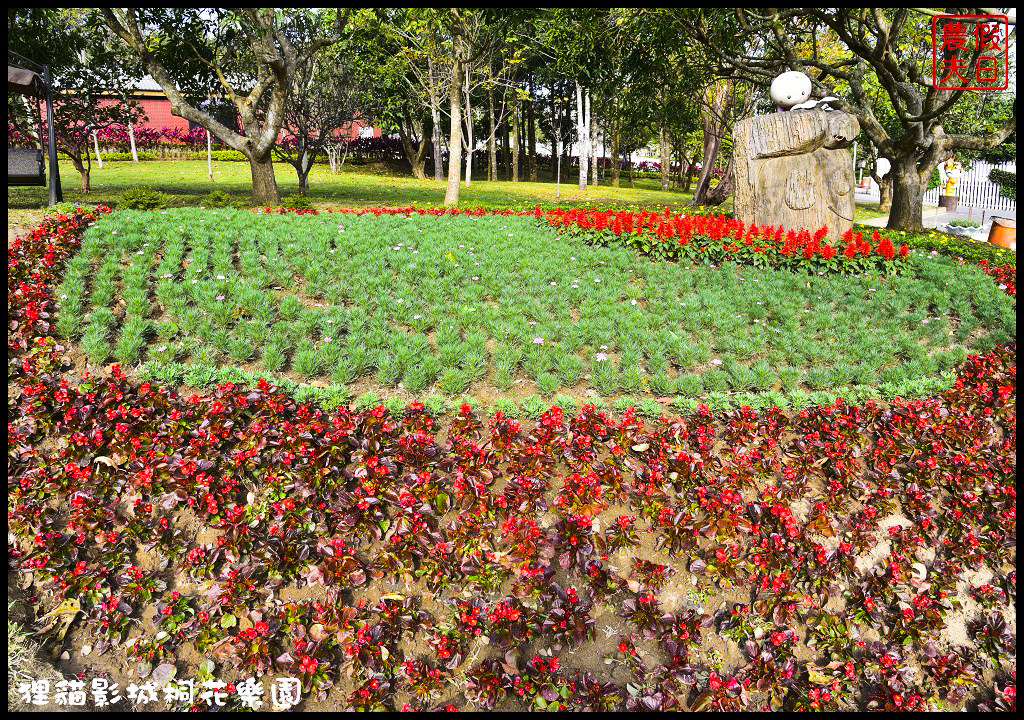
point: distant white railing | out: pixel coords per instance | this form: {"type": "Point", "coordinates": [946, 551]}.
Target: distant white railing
{"type": "Point", "coordinates": [975, 190]}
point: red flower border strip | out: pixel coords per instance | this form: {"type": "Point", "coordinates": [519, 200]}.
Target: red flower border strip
{"type": "Point", "coordinates": [717, 238]}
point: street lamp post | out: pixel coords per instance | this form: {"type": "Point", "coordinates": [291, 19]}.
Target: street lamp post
{"type": "Point", "coordinates": [56, 194]}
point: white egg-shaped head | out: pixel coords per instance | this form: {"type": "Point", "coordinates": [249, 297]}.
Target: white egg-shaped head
{"type": "Point", "coordinates": [790, 88]}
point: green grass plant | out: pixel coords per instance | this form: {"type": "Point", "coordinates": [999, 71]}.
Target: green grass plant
{"type": "Point", "coordinates": [435, 305]}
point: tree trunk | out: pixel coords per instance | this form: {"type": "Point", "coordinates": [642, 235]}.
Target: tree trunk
{"type": "Point", "coordinates": [96, 144]}
{"type": "Point", "coordinates": [523, 159]}
{"type": "Point", "coordinates": [302, 167]}
{"type": "Point", "coordinates": [416, 156]}
{"type": "Point", "coordinates": [531, 134]}
{"type": "Point", "coordinates": [435, 116]}
{"type": "Point", "coordinates": [884, 186]}
{"type": "Point", "coordinates": [84, 169]}
{"type": "Point", "coordinates": [665, 157]}
{"type": "Point", "coordinates": [616, 162]}
{"type": "Point", "coordinates": [684, 170]}
{"type": "Point", "coordinates": [555, 129]}
{"type": "Point", "coordinates": [419, 165]}
{"type": "Point", "coordinates": [492, 147]}
{"type": "Point", "coordinates": [209, 156]}
{"type": "Point", "coordinates": [712, 144]}
{"type": "Point", "coordinates": [593, 145]}
{"type": "Point", "coordinates": [131, 140]}
{"type": "Point", "coordinates": [567, 152]}
{"type": "Point", "coordinates": [907, 195]}
{"type": "Point", "coordinates": [688, 181]}
{"type": "Point", "coordinates": [713, 122]}
{"type": "Point", "coordinates": [885, 194]}
{"type": "Point", "coordinates": [581, 136]}
{"type": "Point", "coordinates": [502, 149]}
{"type": "Point", "coordinates": [515, 139]}
{"type": "Point", "coordinates": [723, 190]}
{"type": "Point", "coordinates": [451, 196]}
{"type": "Point", "coordinates": [470, 145]}
{"type": "Point", "coordinates": [264, 184]}
{"type": "Point", "coordinates": [557, 152]}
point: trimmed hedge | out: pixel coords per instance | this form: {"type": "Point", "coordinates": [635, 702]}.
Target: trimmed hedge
{"type": "Point", "coordinates": [1007, 182]}
{"type": "Point", "coordinates": [127, 156]}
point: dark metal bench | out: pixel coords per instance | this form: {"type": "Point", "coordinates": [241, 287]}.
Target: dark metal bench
{"type": "Point", "coordinates": [25, 166]}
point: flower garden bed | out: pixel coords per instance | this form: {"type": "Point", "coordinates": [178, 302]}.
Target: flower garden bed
{"type": "Point", "coordinates": [839, 557]}
{"type": "Point", "coordinates": [717, 238]}
{"type": "Point", "coordinates": [499, 306]}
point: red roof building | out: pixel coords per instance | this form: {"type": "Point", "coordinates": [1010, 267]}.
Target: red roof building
{"type": "Point", "coordinates": [158, 113]}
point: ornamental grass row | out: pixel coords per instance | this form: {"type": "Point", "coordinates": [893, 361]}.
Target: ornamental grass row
{"type": "Point", "coordinates": [432, 304]}
{"type": "Point", "coordinates": [695, 237]}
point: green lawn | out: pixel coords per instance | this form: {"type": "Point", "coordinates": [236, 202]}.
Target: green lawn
{"type": "Point", "coordinates": [357, 186]}
{"type": "Point", "coordinates": [502, 307]}
{"type": "Point", "coordinates": [867, 211]}
{"type": "Point", "coordinates": [185, 182]}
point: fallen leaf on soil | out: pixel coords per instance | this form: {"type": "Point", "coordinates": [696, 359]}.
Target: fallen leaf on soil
{"type": "Point", "coordinates": [64, 613]}
{"type": "Point", "coordinates": [164, 673]}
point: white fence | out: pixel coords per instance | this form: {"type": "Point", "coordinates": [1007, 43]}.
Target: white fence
{"type": "Point", "coordinates": [975, 190]}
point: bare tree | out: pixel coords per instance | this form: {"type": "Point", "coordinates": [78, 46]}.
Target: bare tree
{"type": "Point", "coordinates": [324, 98]}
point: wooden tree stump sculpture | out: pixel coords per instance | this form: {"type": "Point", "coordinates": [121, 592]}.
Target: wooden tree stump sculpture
{"type": "Point", "coordinates": [792, 170]}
